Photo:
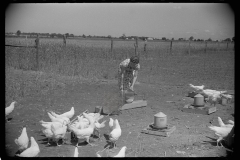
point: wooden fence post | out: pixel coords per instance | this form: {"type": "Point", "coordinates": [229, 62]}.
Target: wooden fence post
{"type": "Point", "coordinates": [111, 45]}
{"type": "Point", "coordinates": [112, 49]}
{"type": "Point", "coordinates": [37, 47]}
{"type": "Point", "coordinates": [189, 42]}
{"type": "Point", "coordinates": [75, 64]}
{"type": "Point", "coordinates": [205, 50]}
{"type": "Point", "coordinates": [145, 48]}
{"type": "Point", "coordinates": [26, 41]}
{"type": "Point", "coordinates": [64, 40]}
{"type": "Point", "coordinates": [171, 47]}
{"type": "Point", "coordinates": [136, 47]}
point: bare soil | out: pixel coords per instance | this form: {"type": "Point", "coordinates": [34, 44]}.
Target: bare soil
{"type": "Point", "coordinates": [192, 137]}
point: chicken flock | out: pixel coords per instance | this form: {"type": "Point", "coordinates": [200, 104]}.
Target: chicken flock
{"type": "Point", "coordinates": [212, 96]}
{"type": "Point", "coordinates": [87, 124]}
{"type": "Point", "coordinates": [82, 127]}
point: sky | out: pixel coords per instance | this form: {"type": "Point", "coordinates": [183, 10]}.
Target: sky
{"type": "Point", "coordinates": [170, 20]}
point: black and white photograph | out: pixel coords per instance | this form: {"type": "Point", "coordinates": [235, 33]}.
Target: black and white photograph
{"type": "Point", "coordinates": [119, 79]}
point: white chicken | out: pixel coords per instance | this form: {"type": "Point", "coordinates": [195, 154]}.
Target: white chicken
{"type": "Point", "coordinates": [84, 133]}
{"type": "Point", "coordinates": [22, 140]}
{"type": "Point", "coordinates": [227, 96]}
{"type": "Point", "coordinates": [90, 114]}
{"type": "Point", "coordinates": [48, 124]}
{"type": "Point", "coordinates": [9, 109]}
{"type": "Point", "coordinates": [58, 133]}
{"type": "Point", "coordinates": [98, 155]}
{"type": "Point", "coordinates": [220, 122]}
{"type": "Point", "coordinates": [59, 119]}
{"type": "Point", "coordinates": [76, 152]}
{"type": "Point", "coordinates": [98, 126]}
{"type": "Point", "coordinates": [209, 92]}
{"type": "Point", "coordinates": [68, 114]}
{"type": "Point", "coordinates": [81, 124]}
{"type": "Point", "coordinates": [122, 152]}
{"type": "Point", "coordinates": [110, 123]}
{"type": "Point", "coordinates": [115, 133]}
{"type": "Point", "coordinates": [47, 128]}
{"type": "Point", "coordinates": [98, 118]}
{"type": "Point", "coordinates": [48, 133]}
{"type": "Point", "coordinates": [214, 98]}
{"type": "Point", "coordinates": [197, 87]}
{"type": "Point", "coordinates": [32, 151]}
{"type": "Point", "coordinates": [89, 117]}
{"type": "Point", "coordinates": [221, 132]}
{"type": "Point", "coordinates": [231, 122]}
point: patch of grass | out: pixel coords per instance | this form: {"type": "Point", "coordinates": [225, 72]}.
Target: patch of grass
{"type": "Point", "coordinates": [91, 60]}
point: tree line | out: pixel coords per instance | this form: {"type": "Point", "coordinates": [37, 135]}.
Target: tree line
{"type": "Point", "coordinates": [144, 38]}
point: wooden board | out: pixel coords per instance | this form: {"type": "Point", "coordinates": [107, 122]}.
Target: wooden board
{"type": "Point", "coordinates": [134, 104]}
{"type": "Point", "coordinates": [206, 110]}
{"type": "Point", "coordinates": [159, 133]}
{"type": "Point", "coordinates": [212, 110]}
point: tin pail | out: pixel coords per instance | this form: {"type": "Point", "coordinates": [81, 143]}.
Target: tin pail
{"type": "Point", "coordinates": [129, 96]}
{"type": "Point", "coordinates": [224, 101]}
{"type": "Point", "coordinates": [160, 120]}
{"type": "Point", "coordinates": [198, 100]}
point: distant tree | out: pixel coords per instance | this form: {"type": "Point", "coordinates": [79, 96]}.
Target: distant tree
{"type": "Point", "coordinates": [18, 33]}
{"type": "Point", "coordinates": [67, 35]}
{"type": "Point", "coordinates": [59, 35]}
{"type": "Point", "coordinates": [123, 36]}
{"type": "Point", "coordinates": [71, 35]}
{"type": "Point", "coordinates": [164, 38]}
{"type": "Point", "coordinates": [83, 36]}
{"type": "Point", "coordinates": [227, 39]}
{"type": "Point", "coordinates": [180, 39]}
{"type": "Point", "coordinates": [53, 35]}
{"type": "Point", "coordinates": [209, 39]}
{"type": "Point", "coordinates": [233, 39]}
{"type": "Point", "coordinates": [109, 36]}
{"type": "Point", "coordinates": [172, 39]}
{"type": "Point", "coordinates": [191, 38]}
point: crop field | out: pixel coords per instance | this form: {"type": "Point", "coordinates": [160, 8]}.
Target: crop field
{"type": "Point", "coordinates": [83, 74]}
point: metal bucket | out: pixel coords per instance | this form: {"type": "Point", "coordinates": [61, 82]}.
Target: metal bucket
{"type": "Point", "coordinates": [198, 100]}
{"type": "Point", "coordinates": [160, 120]}
{"type": "Point", "coordinates": [224, 101]}
{"type": "Point", "coordinates": [129, 96]}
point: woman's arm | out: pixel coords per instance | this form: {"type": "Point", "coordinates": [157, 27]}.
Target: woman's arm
{"type": "Point", "coordinates": [134, 79]}
{"type": "Point", "coordinates": [121, 72]}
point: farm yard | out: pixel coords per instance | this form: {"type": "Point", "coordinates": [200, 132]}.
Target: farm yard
{"type": "Point", "coordinates": [83, 75]}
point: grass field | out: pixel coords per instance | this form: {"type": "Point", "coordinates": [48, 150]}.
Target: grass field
{"type": "Point", "coordinates": [92, 59]}
{"type": "Point", "coordinates": [83, 75]}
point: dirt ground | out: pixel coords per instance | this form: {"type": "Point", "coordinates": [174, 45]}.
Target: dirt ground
{"type": "Point", "coordinates": [192, 137]}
